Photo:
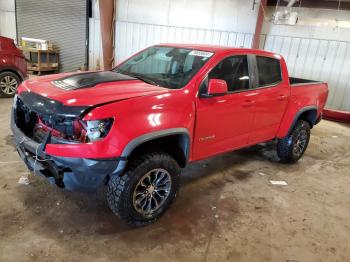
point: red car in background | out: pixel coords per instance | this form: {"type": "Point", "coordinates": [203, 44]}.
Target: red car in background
{"type": "Point", "coordinates": [13, 67]}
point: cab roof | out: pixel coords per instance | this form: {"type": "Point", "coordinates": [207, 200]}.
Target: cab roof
{"type": "Point", "coordinates": [218, 48]}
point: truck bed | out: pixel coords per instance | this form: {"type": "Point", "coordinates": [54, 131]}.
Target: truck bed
{"type": "Point", "coordinates": [309, 92]}
{"type": "Point", "coordinates": [293, 81]}
{"type": "Point", "coordinates": [304, 95]}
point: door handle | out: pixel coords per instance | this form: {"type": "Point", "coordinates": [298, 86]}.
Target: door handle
{"type": "Point", "coordinates": [281, 97]}
{"type": "Point", "coordinates": [248, 103]}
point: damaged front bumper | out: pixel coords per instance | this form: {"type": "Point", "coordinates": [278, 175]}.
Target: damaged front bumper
{"type": "Point", "coordinates": [75, 174]}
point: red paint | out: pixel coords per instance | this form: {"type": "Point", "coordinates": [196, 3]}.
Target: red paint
{"type": "Point", "coordinates": [224, 122]}
{"type": "Point", "coordinates": [216, 124]}
{"type": "Point", "coordinates": [100, 94]}
{"type": "Point", "coordinates": [217, 86]}
{"type": "Point", "coordinates": [41, 126]}
{"type": "Point", "coordinates": [336, 115]}
{"type": "Point", "coordinates": [11, 58]}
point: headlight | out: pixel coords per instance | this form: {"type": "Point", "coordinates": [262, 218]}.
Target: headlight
{"type": "Point", "coordinates": [98, 129]}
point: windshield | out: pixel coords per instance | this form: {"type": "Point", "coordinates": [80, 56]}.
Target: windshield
{"type": "Point", "coordinates": [168, 67]}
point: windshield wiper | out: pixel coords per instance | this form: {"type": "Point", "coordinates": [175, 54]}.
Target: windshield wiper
{"type": "Point", "coordinates": [142, 78]}
{"type": "Point", "coordinates": [146, 80]}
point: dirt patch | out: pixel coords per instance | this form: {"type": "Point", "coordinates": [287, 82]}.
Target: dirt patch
{"type": "Point", "coordinates": [9, 142]}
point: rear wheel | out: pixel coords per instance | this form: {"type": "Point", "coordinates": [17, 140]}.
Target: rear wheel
{"type": "Point", "coordinates": [292, 147]}
{"type": "Point", "coordinates": [8, 84]}
{"type": "Point", "coordinates": [145, 191]}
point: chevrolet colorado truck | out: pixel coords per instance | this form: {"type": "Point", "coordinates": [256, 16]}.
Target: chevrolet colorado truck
{"type": "Point", "coordinates": [133, 128]}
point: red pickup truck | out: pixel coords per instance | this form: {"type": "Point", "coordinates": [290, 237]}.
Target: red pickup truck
{"type": "Point", "coordinates": [134, 127]}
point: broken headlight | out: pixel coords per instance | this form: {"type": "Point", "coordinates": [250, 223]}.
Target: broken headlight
{"type": "Point", "coordinates": [98, 129]}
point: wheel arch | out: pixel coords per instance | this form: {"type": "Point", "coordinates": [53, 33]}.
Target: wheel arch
{"type": "Point", "coordinates": [16, 72]}
{"type": "Point", "coordinates": [308, 114]}
{"type": "Point", "coordinates": [175, 142]}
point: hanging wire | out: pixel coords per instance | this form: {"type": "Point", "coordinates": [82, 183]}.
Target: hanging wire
{"type": "Point", "coordinates": [263, 9]}
{"type": "Point", "coordinates": [277, 5]}
{"type": "Point", "coordinates": [336, 20]}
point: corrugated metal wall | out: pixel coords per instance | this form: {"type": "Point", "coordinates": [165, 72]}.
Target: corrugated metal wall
{"type": "Point", "coordinates": [63, 22]}
{"type": "Point", "coordinates": [318, 59]}
{"type": "Point", "coordinates": [132, 37]}
{"type": "Point", "coordinates": [95, 45]}
{"type": "Point", "coordinates": [8, 24]}
{"type": "Point", "coordinates": [142, 23]}
{"type": "Point", "coordinates": [145, 22]}
{"type": "Point", "coordinates": [307, 57]}
{"type": "Point", "coordinates": [225, 15]}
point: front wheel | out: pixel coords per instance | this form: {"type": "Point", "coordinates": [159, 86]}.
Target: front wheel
{"type": "Point", "coordinates": [147, 188]}
{"type": "Point", "coordinates": [292, 147]}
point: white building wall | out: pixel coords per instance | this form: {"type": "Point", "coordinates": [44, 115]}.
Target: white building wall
{"type": "Point", "coordinates": [225, 15]}
{"type": "Point", "coordinates": [315, 52]}
{"type": "Point", "coordinates": [132, 37]}
{"type": "Point", "coordinates": [141, 23]}
{"type": "Point", "coordinates": [95, 39]}
{"type": "Point", "coordinates": [95, 45]}
{"type": "Point", "coordinates": [310, 17]}
{"type": "Point", "coordinates": [7, 18]}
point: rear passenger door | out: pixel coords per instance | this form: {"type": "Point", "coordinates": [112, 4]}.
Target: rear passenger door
{"type": "Point", "coordinates": [271, 101]}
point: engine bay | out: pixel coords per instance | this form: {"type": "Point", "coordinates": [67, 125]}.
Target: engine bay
{"type": "Point", "coordinates": [37, 123]}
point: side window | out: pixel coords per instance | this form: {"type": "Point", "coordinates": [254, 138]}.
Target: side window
{"type": "Point", "coordinates": [234, 70]}
{"type": "Point", "coordinates": [269, 70]}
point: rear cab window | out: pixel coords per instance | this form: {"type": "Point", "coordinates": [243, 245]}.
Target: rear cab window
{"type": "Point", "coordinates": [269, 71]}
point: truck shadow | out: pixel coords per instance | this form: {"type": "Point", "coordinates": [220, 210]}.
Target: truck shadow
{"type": "Point", "coordinates": [60, 214]}
{"type": "Point", "coordinates": [232, 160]}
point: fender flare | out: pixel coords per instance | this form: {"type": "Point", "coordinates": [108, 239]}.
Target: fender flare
{"type": "Point", "coordinates": [13, 70]}
{"type": "Point", "coordinates": [299, 113]}
{"type": "Point", "coordinates": [134, 143]}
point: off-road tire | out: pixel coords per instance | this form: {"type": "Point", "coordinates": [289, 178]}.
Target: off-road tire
{"type": "Point", "coordinates": [121, 188]}
{"type": "Point", "coordinates": [285, 145]}
{"type": "Point", "coordinates": [11, 75]}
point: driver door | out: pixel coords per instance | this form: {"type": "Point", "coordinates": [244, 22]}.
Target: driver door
{"type": "Point", "coordinates": [224, 122]}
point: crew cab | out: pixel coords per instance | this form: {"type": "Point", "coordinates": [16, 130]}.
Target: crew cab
{"type": "Point", "coordinates": [13, 67]}
{"type": "Point", "coordinates": [133, 128]}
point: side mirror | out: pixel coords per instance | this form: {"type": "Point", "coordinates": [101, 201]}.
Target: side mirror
{"type": "Point", "coordinates": [216, 87]}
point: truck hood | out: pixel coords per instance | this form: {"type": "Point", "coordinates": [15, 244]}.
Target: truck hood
{"type": "Point", "coordinates": [89, 89]}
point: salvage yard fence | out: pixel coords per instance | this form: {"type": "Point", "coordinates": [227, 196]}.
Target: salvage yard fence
{"type": "Point", "coordinates": [319, 59]}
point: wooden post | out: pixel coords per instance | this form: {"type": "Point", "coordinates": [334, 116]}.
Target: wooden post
{"type": "Point", "coordinates": [39, 62]}
{"type": "Point", "coordinates": [259, 24]}
{"type": "Point", "coordinates": [107, 15]}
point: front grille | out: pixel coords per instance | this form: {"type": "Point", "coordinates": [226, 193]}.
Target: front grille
{"type": "Point", "coordinates": [31, 123]}
{"type": "Point", "coordinates": [25, 118]}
